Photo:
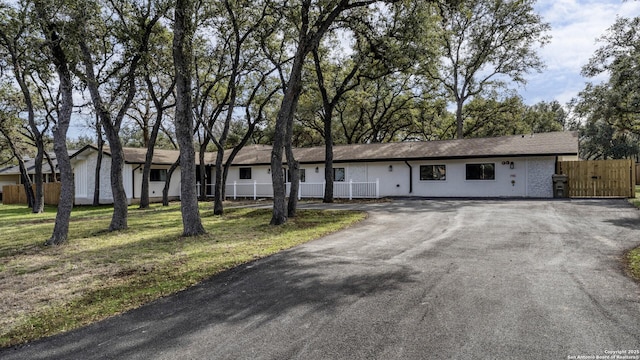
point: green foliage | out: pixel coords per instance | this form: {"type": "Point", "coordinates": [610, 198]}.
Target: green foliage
{"type": "Point", "coordinates": [611, 110]}
{"type": "Point", "coordinates": [600, 140]}
{"type": "Point", "coordinates": [485, 43]}
{"type": "Point", "coordinates": [617, 100]}
{"type": "Point", "coordinates": [489, 117]}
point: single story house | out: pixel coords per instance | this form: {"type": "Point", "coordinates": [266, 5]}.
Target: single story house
{"type": "Point", "coordinates": [508, 166]}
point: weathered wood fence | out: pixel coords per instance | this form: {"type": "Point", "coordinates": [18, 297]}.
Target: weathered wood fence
{"type": "Point", "coordinates": [14, 194]}
{"type": "Point", "coordinates": [599, 178]}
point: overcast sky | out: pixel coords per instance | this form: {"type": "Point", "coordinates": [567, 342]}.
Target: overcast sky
{"type": "Point", "coordinates": [575, 27]}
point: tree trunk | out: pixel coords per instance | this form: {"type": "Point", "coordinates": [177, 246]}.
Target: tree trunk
{"type": "Point", "coordinates": [285, 116]}
{"type": "Point", "coordinates": [26, 182]}
{"type": "Point", "coordinates": [111, 128]}
{"type": "Point", "coordinates": [120, 202]}
{"type": "Point", "coordinates": [98, 170]}
{"type": "Point", "coordinates": [65, 204]}
{"type": "Point", "coordinates": [167, 183]}
{"type": "Point", "coordinates": [146, 171]}
{"type": "Point", "coordinates": [294, 174]}
{"type": "Point", "coordinates": [182, 56]}
{"type": "Point", "coordinates": [38, 204]}
{"type": "Point", "coordinates": [203, 169]}
{"type": "Point", "coordinates": [328, 159]}
{"type": "Point", "coordinates": [218, 208]}
{"type": "Point", "coordinates": [459, 120]}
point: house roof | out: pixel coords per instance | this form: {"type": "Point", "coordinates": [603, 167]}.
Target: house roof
{"type": "Point", "coordinates": [543, 144]}
{"type": "Point", "coordinates": [30, 165]}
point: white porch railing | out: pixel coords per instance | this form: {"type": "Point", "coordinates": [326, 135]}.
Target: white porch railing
{"type": "Point", "coordinates": [341, 190]}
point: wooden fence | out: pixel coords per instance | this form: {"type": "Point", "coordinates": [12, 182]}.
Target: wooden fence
{"type": "Point", "coordinates": [14, 194]}
{"type": "Point", "coordinates": [599, 178]}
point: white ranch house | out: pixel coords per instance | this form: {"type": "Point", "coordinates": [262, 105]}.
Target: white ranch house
{"type": "Point", "coordinates": [511, 166]}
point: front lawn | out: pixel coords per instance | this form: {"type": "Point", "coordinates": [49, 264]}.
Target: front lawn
{"type": "Point", "coordinates": [97, 274]}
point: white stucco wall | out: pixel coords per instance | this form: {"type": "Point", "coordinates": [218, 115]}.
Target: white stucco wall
{"type": "Point", "coordinates": [155, 187]}
{"type": "Point", "coordinates": [529, 177]}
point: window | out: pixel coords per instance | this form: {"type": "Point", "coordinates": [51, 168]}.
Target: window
{"type": "Point", "coordinates": [158, 175]}
{"type": "Point", "coordinates": [485, 171]}
{"type": "Point", "coordinates": [338, 174]}
{"type": "Point", "coordinates": [301, 173]}
{"type": "Point", "coordinates": [245, 173]}
{"type": "Point", "coordinates": [433, 172]}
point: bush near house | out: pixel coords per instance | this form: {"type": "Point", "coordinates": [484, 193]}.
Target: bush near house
{"type": "Point", "coordinates": [97, 274]}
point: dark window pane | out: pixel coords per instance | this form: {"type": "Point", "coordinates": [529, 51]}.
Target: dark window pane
{"type": "Point", "coordinates": [245, 173]}
{"type": "Point", "coordinates": [433, 172]}
{"type": "Point", "coordinates": [481, 171]}
{"type": "Point", "coordinates": [338, 174]}
{"type": "Point", "coordinates": [158, 175]}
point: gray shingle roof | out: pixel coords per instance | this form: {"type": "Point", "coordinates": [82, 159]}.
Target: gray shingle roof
{"type": "Point", "coordinates": [556, 143]}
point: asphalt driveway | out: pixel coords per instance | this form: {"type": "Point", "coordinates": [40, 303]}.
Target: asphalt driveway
{"type": "Point", "coordinates": [445, 279]}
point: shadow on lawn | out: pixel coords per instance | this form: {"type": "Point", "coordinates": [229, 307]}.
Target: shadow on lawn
{"type": "Point", "coordinates": [252, 297]}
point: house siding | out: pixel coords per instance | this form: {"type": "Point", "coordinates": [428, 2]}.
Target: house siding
{"type": "Point", "coordinates": [156, 187]}
{"type": "Point", "coordinates": [529, 177]}
{"type": "Point", "coordinates": [539, 183]}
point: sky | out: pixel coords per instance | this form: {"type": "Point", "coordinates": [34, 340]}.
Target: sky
{"type": "Point", "coordinates": [575, 27]}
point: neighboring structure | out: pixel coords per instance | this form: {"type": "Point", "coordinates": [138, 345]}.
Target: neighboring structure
{"type": "Point", "coordinates": [11, 175]}
{"type": "Point", "coordinates": [84, 163]}
{"type": "Point", "coordinates": [509, 166]}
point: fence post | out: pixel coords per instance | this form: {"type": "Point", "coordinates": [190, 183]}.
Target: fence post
{"type": "Point", "coordinates": [350, 189]}
{"type": "Point", "coordinates": [235, 190]}
{"type": "Point", "coordinates": [299, 190]}
{"type": "Point", "coordinates": [377, 188]}
{"type": "Point", "coordinates": [255, 190]}
{"type": "Point", "coordinates": [324, 186]}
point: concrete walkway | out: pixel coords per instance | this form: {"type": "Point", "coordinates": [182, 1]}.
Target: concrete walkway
{"type": "Point", "coordinates": [419, 279]}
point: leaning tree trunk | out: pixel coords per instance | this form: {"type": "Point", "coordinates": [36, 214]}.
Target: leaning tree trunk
{"type": "Point", "coordinates": [98, 169]}
{"type": "Point", "coordinates": [167, 183]}
{"type": "Point", "coordinates": [182, 56]}
{"type": "Point", "coordinates": [26, 182]}
{"type": "Point", "coordinates": [65, 204]}
{"type": "Point", "coordinates": [285, 116]}
{"type": "Point", "coordinates": [146, 172]}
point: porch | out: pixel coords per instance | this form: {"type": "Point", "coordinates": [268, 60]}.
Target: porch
{"type": "Point", "coordinates": [341, 190]}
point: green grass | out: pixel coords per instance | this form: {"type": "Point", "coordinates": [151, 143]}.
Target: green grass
{"type": "Point", "coordinates": [632, 258]}
{"type": "Point", "coordinates": [97, 274]}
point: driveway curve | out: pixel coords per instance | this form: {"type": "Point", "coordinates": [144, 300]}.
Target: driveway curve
{"type": "Point", "coordinates": [446, 279]}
